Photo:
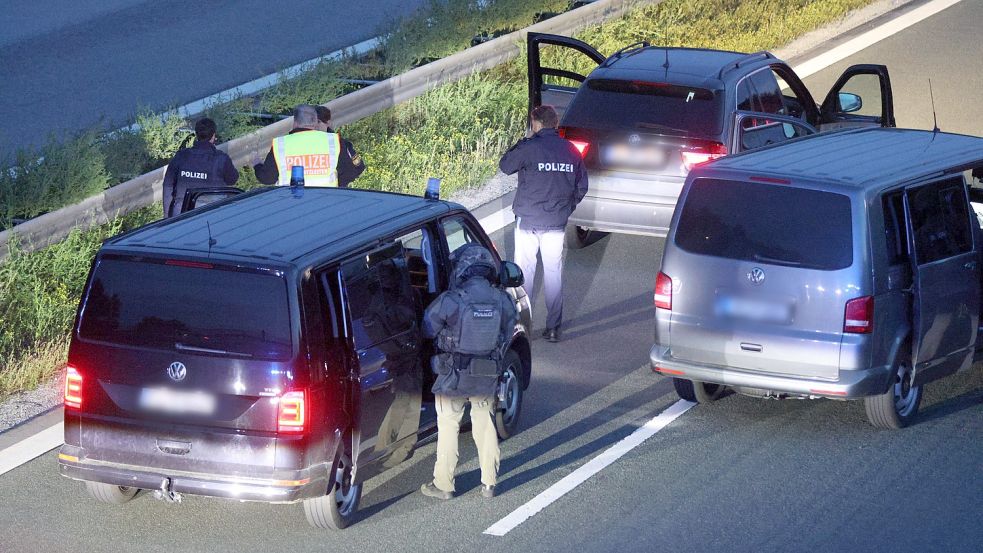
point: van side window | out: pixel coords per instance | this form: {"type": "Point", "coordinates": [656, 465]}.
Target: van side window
{"type": "Point", "coordinates": [380, 299]}
{"type": "Point", "coordinates": [456, 233]}
{"type": "Point", "coordinates": [940, 220]}
{"type": "Point", "coordinates": [896, 233]}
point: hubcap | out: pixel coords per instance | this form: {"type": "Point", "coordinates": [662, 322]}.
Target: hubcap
{"type": "Point", "coordinates": [904, 392]}
{"type": "Point", "coordinates": [344, 490]}
{"type": "Point", "coordinates": [511, 393]}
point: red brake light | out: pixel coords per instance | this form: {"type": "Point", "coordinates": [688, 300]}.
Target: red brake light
{"type": "Point", "coordinates": [192, 264]}
{"type": "Point", "coordinates": [292, 412]}
{"type": "Point", "coordinates": [858, 317]}
{"type": "Point", "coordinates": [663, 291]}
{"type": "Point", "coordinates": [713, 151]}
{"type": "Point", "coordinates": [582, 146]}
{"type": "Point", "coordinates": [73, 388]}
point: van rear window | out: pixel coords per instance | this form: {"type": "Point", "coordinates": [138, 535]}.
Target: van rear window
{"type": "Point", "coordinates": [647, 106]}
{"type": "Point", "coordinates": [767, 223]}
{"type": "Point", "coordinates": [191, 307]}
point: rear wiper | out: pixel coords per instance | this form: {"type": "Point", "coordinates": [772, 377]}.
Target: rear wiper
{"type": "Point", "coordinates": [186, 347]}
{"type": "Point", "coordinates": [776, 261]}
{"type": "Point", "coordinates": [658, 127]}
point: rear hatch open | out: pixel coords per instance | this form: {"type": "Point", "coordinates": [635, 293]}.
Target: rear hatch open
{"type": "Point", "coordinates": [182, 363]}
{"type": "Point", "coordinates": [760, 277]}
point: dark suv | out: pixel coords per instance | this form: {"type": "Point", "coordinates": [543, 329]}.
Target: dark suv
{"type": "Point", "coordinates": [647, 115]}
{"type": "Point", "coordinates": [267, 347]}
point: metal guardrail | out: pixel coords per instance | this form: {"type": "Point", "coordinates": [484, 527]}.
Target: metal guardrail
{"type": "Point", "coordinates": [146, 189]}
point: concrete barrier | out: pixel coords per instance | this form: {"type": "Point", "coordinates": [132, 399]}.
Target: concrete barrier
{"type": "Point", "coordinates": [146, 189]}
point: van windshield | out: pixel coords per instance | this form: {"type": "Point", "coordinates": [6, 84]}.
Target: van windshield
{"type": "Point", "coordinates": [766, 223]}
{"type": "Point", "coordinates": [646, 106]}
{"type": "Point", "coordinates": [196, 308]}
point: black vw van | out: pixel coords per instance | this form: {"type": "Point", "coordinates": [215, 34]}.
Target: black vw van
{"type": "Point", "coordinates": [268, 348]}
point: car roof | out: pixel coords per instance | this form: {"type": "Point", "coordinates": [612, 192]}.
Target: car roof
{"type": "Point", "coordinates": [275, 225]}
{"type": "Point", "coordinates": [867, 158]}
{"type": "Point", "coordinates": [687, 66]}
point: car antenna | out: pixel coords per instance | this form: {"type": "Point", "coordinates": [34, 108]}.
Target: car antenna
{"type": "Point", "coordinates": [935, 120]}
{"type": "Point", "coordinates": [211, 241]}
{"type": "Point", "coordinates": [666, 48]}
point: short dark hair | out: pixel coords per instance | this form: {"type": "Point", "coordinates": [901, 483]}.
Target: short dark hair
{"type": "Point", "coordinates": [545, 115]}
{"type": "Point", "coordinates": [205, 129]}
{"type": "Point", "coordinates": [323, 114]}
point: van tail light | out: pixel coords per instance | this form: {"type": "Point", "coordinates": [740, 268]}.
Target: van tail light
{"type": "Point", "coordinates": [858, 317]}
{"type": "Point", "coordinates": [73, 388]}
{"type": "Point", "coordinates": [582, 146]}
{"type": "Point", "coordinates": [663, 291]}
{"type": "Point", "coordinates": [706, 154]}
{"type": "Point", "coordinates": [292, 412]}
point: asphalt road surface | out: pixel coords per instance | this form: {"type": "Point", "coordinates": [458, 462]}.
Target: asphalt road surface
{"type": "Point", "coordinates": [69, 65]}
{"type": "Point", "coordinates": [739, 475]}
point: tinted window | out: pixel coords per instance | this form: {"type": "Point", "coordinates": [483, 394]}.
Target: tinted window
{"type": "Point", "coordinates": [767, 223]}
{"type": "Point", "coordinates": [456, 233]}
{"type": "Point", "coordinates": [768, 91]}
{"type": "Point", "coordinates": [940, 220]}
{"type": "Point", "coordinates": [745, 97]}
{"type": "Point", "coordinates": [380, 298]}
{"type": "Point", "coordinates": [617, 104]}
{"type": "Point", "coordinates": [201, 309]}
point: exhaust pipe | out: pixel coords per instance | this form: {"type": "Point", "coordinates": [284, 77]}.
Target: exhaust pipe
{"type": "Point", "coordinates": [166, 492]}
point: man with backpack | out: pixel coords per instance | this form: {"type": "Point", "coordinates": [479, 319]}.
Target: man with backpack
{"type": "Point", "coordinates": [471, 323]}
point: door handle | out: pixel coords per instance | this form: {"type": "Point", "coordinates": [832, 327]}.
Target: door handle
{"type": "Point", "coordinates": [970, 265]}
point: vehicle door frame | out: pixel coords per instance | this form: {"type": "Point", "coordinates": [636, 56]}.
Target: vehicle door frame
{"type": "Point", "coordinates": [740, 116]}
{"type": "Point", "coordinates": [191, 195]}
{"type": "Point", "coordinates": [536, 72]}
{"type": "Point", "coordinates": [829, 110]}
{"type": "Point", "coordinates": [809, 106]}
{"type": "Point", "coordinates": [938, 367]}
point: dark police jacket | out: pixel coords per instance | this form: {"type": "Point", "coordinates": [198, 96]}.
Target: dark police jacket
{"type": "Point", "coordinates": [201, 166]}
{"type": "Point", "coordinates": [350, 164]}
{"type": "Point", "coordinates": [552, 179]}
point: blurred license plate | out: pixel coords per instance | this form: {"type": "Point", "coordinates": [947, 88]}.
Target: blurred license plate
{"type": "Point", "coordinates": [644, 156]}
{"type": "Point", "coordinates": [177, 401]}
{"type": "Point", "coordinates": [754, 310]}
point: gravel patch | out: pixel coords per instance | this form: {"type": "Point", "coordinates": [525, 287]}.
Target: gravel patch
{"type": "Point", "coordinates": [26, 405]}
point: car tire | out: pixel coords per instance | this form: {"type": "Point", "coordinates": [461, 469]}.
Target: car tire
{"type": "Point", "coordinates": [507, 412]}
{"type": "Point", "coordinates": [704, 392]}
{"type": "Point", "coordinates": [684, 389]}
{"type": "Point", "coordinates": [577, 237]}
{"type": "Point", "coordinates": [336, 509]}
{"type": "Point", "coordinates": [898, 406]}
{"type": "Point", "coordinates": [108, 493]}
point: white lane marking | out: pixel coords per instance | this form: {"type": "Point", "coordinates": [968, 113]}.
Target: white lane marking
{"type": "Point", "coordinates": [594, 466]}
{"type": "Point", "coordinates": [871, 37]}
{"type": "Point", "coordinates": [498, 220]}
{"type": "Point", "coordinates": [32, 447]}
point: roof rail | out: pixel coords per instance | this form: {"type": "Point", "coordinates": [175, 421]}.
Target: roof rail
{"type": "Point", "coordinates": [627, 50]}
{"type": "Point", "coordinates": [762, 55]}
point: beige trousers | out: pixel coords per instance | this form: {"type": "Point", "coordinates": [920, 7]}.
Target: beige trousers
{"type": "Point", "coordinates": [450, 411]}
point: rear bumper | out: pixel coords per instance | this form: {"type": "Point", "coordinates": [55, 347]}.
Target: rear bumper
{"type": "Point", "coordinates": [638, 213]}
{"type": "Point", "coordinates": [851, 384]}
{"type": "Point", "coordinates": [280, 487]}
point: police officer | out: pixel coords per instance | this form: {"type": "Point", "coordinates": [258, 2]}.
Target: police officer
{"type": "Point", "coordinates": [201, 166]}
{"type": "Point", "coordinates": [347, 148]}
{"type": "Point", "coordinates": [552, 181]}
{"type": "Point", "coordinates": [471, 322]}
{"type": "Point", "coordinates": [320, 153]}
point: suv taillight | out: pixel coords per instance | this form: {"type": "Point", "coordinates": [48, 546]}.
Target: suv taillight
{"type": "Point", "coordinates": [73, 388]}
{"type": "Point", "coordinates": [663, 291]}
{"type": "Point", "coordinates": [292, 412]}
{"type": "Point", "coordinates": [710, 152]}
{"type": "Point", "coordinates": [858, 317]}
{"type": "Point", "coordinates": [582, 146]}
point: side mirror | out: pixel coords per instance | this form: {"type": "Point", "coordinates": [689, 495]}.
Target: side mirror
{"type": "Point", "coordinates": [510, 275]}
{"type": "Point", "coordinates": [850, 103]}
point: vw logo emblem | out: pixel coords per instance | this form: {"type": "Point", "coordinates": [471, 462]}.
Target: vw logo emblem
{"type": "Point", "coordinates": [634, 139]}
{"type": "Point", "coordinates": [177, 371]}
{"type": "Point", "coordinates": [756, 276]}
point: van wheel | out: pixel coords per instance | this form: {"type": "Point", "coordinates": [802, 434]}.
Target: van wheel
{"type": "Point", "coordinates": [577, 237]}
{"type": "Point", "coordinates": [684, 389]}
{"type": "Point", "coordinates": [896, 408]}
{"type": "Point", "coordinates": [108, 493]}
{"type": "Point", "coordinates": [510, 397]}
{"type": "Point", "coordinates": [707, 393]}
{"type": "Point", "coordinates": [336, 509]}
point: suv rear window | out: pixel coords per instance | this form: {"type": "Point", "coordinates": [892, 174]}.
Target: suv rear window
{"type": "Point", "coordinates": [191, 307]}
{"type": "Point", "coordinates": [767, 223]}
{"type": "Point", "coordinates": [661, 107]}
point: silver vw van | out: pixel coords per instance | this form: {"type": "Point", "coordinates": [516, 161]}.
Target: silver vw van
{"type": "Point", "coordinates": [842, 266]}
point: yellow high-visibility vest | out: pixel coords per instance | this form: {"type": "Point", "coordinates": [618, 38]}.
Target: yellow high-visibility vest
{"type": "Point", "coordinates": [316, 151]}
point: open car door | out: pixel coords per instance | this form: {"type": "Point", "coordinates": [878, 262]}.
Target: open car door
{"type": "Point", "coordinates": [197, 197]}
{"type": "Point", "coordinates": [551, 85]}
{"type": "Point", "coordinates": [946, 291]}
{"type": "Point", "coordinates": [861, 97]}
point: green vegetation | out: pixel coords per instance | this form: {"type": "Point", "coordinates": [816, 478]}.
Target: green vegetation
{"type": "Point", "coordinates": [457, 132]}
